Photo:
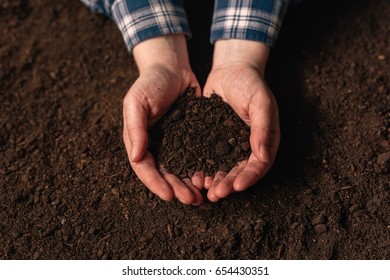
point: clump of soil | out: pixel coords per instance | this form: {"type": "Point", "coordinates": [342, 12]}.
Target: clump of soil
{"type": "Point", "coordinates": [199, 134]}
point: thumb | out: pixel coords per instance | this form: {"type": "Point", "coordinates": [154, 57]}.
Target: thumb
{"type": "Point", "coordinates": [136, 120]}
{"type": "Point", "coordinates": [208, 88]}
{"type": "Point", "coordinates": [261, 130]}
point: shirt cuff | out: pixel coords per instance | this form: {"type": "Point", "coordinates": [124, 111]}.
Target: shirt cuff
{"type": "Point", "coordinates": [144, 19]}
{"type": "Point", "coordinates": [248, 20]}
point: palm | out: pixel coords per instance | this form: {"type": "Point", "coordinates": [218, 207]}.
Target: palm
{"type": "Point", "coordinates": [156, 90]}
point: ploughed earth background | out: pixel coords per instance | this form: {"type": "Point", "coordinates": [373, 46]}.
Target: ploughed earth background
{"type": "Point", "coordinates": [67, 190]}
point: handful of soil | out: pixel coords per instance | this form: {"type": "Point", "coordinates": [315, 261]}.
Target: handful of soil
{"type": "Point", "coordinates": [199, 134]}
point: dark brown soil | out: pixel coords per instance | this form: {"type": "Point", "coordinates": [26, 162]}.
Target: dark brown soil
{"type": "Point", "coordinates": [66, 187]}
{"type": "Point", "coordinates": [199, 134]}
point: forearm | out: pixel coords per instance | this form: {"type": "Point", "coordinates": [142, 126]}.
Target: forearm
{"type": "Point", "coordinates": [231, 52]}
{"type": "Point", "coordinates": [168, 51]}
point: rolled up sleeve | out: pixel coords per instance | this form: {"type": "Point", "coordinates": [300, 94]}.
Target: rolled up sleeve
{"type": "Point", "coordinates": [257, 20]}
{"type": "Point", "coordinates": [139, 20]}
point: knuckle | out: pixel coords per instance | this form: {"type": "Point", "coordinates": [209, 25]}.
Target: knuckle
{"type": "Point", "coordinates": [265, 101]}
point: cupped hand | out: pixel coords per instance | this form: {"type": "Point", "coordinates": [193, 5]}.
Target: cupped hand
{"type": "Point", "coordinates": [237, 76]}
{"type": "Point", "coordinates": [160, 82]}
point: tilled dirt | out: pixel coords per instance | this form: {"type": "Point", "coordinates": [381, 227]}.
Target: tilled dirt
{"type": "Point", "coordinates": [67, 190]}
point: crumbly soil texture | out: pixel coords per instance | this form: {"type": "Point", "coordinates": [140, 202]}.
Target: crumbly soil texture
{"type": "Point", "coordinates": [199, 134]}
{"type": "Point", "coordinates": [67, 190]}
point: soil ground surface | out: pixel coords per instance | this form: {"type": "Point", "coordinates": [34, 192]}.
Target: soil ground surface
{"type": "Point", "coordinates": [67, 190]}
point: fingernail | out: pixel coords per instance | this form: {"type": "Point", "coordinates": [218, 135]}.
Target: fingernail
{"type": "Point", "coordinates": [132, 155]}
{"type": "Point", "coordinates": [264, 153]}
{"type": "Point", "coordinates": [182, 201]}
{"type": "Point", "coordinates": [132, 152]}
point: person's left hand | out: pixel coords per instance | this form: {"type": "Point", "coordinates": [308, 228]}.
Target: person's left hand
{"type": "Point", "coordinates": [237, 76]}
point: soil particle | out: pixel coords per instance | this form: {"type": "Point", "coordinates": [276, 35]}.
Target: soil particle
{"type": "Point", "coordinates": [55, 202]}
{"type": "Point", "coordinates": [36, 256]}
{"type": "Point", "coordinates": [245, 146]}
{"type": "Point", "coordinates": [320, 219]}
{"type": "Point", "coordinates": [383, 158]}
{"type": "Point", "coordinates": [170, 232]}
{"type": "Point", "coordinates": [320, 228]}
{"type": "Point", "coordinates": [224, 167]}
{"type": "Point", "coordinates": [353, 208]}
{"type": "Point", "coordinates": [232, 142]}
{"type": "Point", "coordinates": [213, 135]}
{"type": "Point", "coordinates": [222, 148]}
{"type": "Point", "coordinates": [381, 57]}
{"type": "Point", "coordinates": [91, 231]}
{"type": "Point", "coordinates": [280, 251]}
{"type": "Point", "coordinates": [115, 191]}
{"type": "Point", "coordinates": [206, 207]}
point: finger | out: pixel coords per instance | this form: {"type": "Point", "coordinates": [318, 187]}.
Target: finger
{"type": "Point", "coordinates": [148, 174]}
{"type": "Point", "coordinates": [136, 121]}
{"type": "Point", "coordinates": [225, 186]}
{"type": "Point", "coordinates": [208, 180]}
{"type": "Point", "coordinates": [209, 89]}
{"type": "Point", "coordinates": [217, 178]}
{"type": "Point", "coordinates": [253, 172]}
{"type": "Point", "coordinates": [182, 192]}
{"type": "Point", "coordinates": [198, 180]}
{"type": "Point", "coordinates": [196, 85]}
{"type": "Point", "coordinates": [207, 93]}
{"type": "Point", "coordinates": [197, 195]}
{"type": "Point", "coordinates": [198, 91]}
{"type": "Point", "coordinates": [260, 114]}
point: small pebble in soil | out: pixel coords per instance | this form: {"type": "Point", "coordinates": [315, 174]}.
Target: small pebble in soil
{"type": "Point", "coordinates": [294, 225]}
{"type": "Point", "coordinates": [55, 202]}
{"type": "Point", "coordinates": [199, 134]}
{"type": "Point", "coordinates": [206, 207]}
{"type": "Point", "coordinates": [383, 158]}
{"type": "Point", "coordinates": [319, 219]}
{"type": "Point", "coordinates": [115, 191]}
{"type": "Point", "coordinates": [353, 208]}
{"type": "Point", "coordinates": [91, 231]}
{"type": "Point", "coordinates": [385, 143]}
{"type": "Point", "coordinates": [36, 255]}
{"type": "Point", "coordinates": [381, 57]}
{"type": "Point", "coordinates": [320, 228]}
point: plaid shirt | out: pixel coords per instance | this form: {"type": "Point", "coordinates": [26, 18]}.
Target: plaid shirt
{"type": "Point", "coordinates": [138, 20]}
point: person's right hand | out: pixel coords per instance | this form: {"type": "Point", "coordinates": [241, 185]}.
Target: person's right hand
{"type": "Point", "coordinates": [165, 73]}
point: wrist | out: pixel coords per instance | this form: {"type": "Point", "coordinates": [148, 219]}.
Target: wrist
{"type": "Point", "coordinates": [168, 51]}
{"type": "Point", "coordinates": [230, 52]}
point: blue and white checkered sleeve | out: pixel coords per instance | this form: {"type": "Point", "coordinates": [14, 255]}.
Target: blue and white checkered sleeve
{"type": "Point", "coordinates": [139, 20]}
{"type": "Point", "coordinates": [257, 20]}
